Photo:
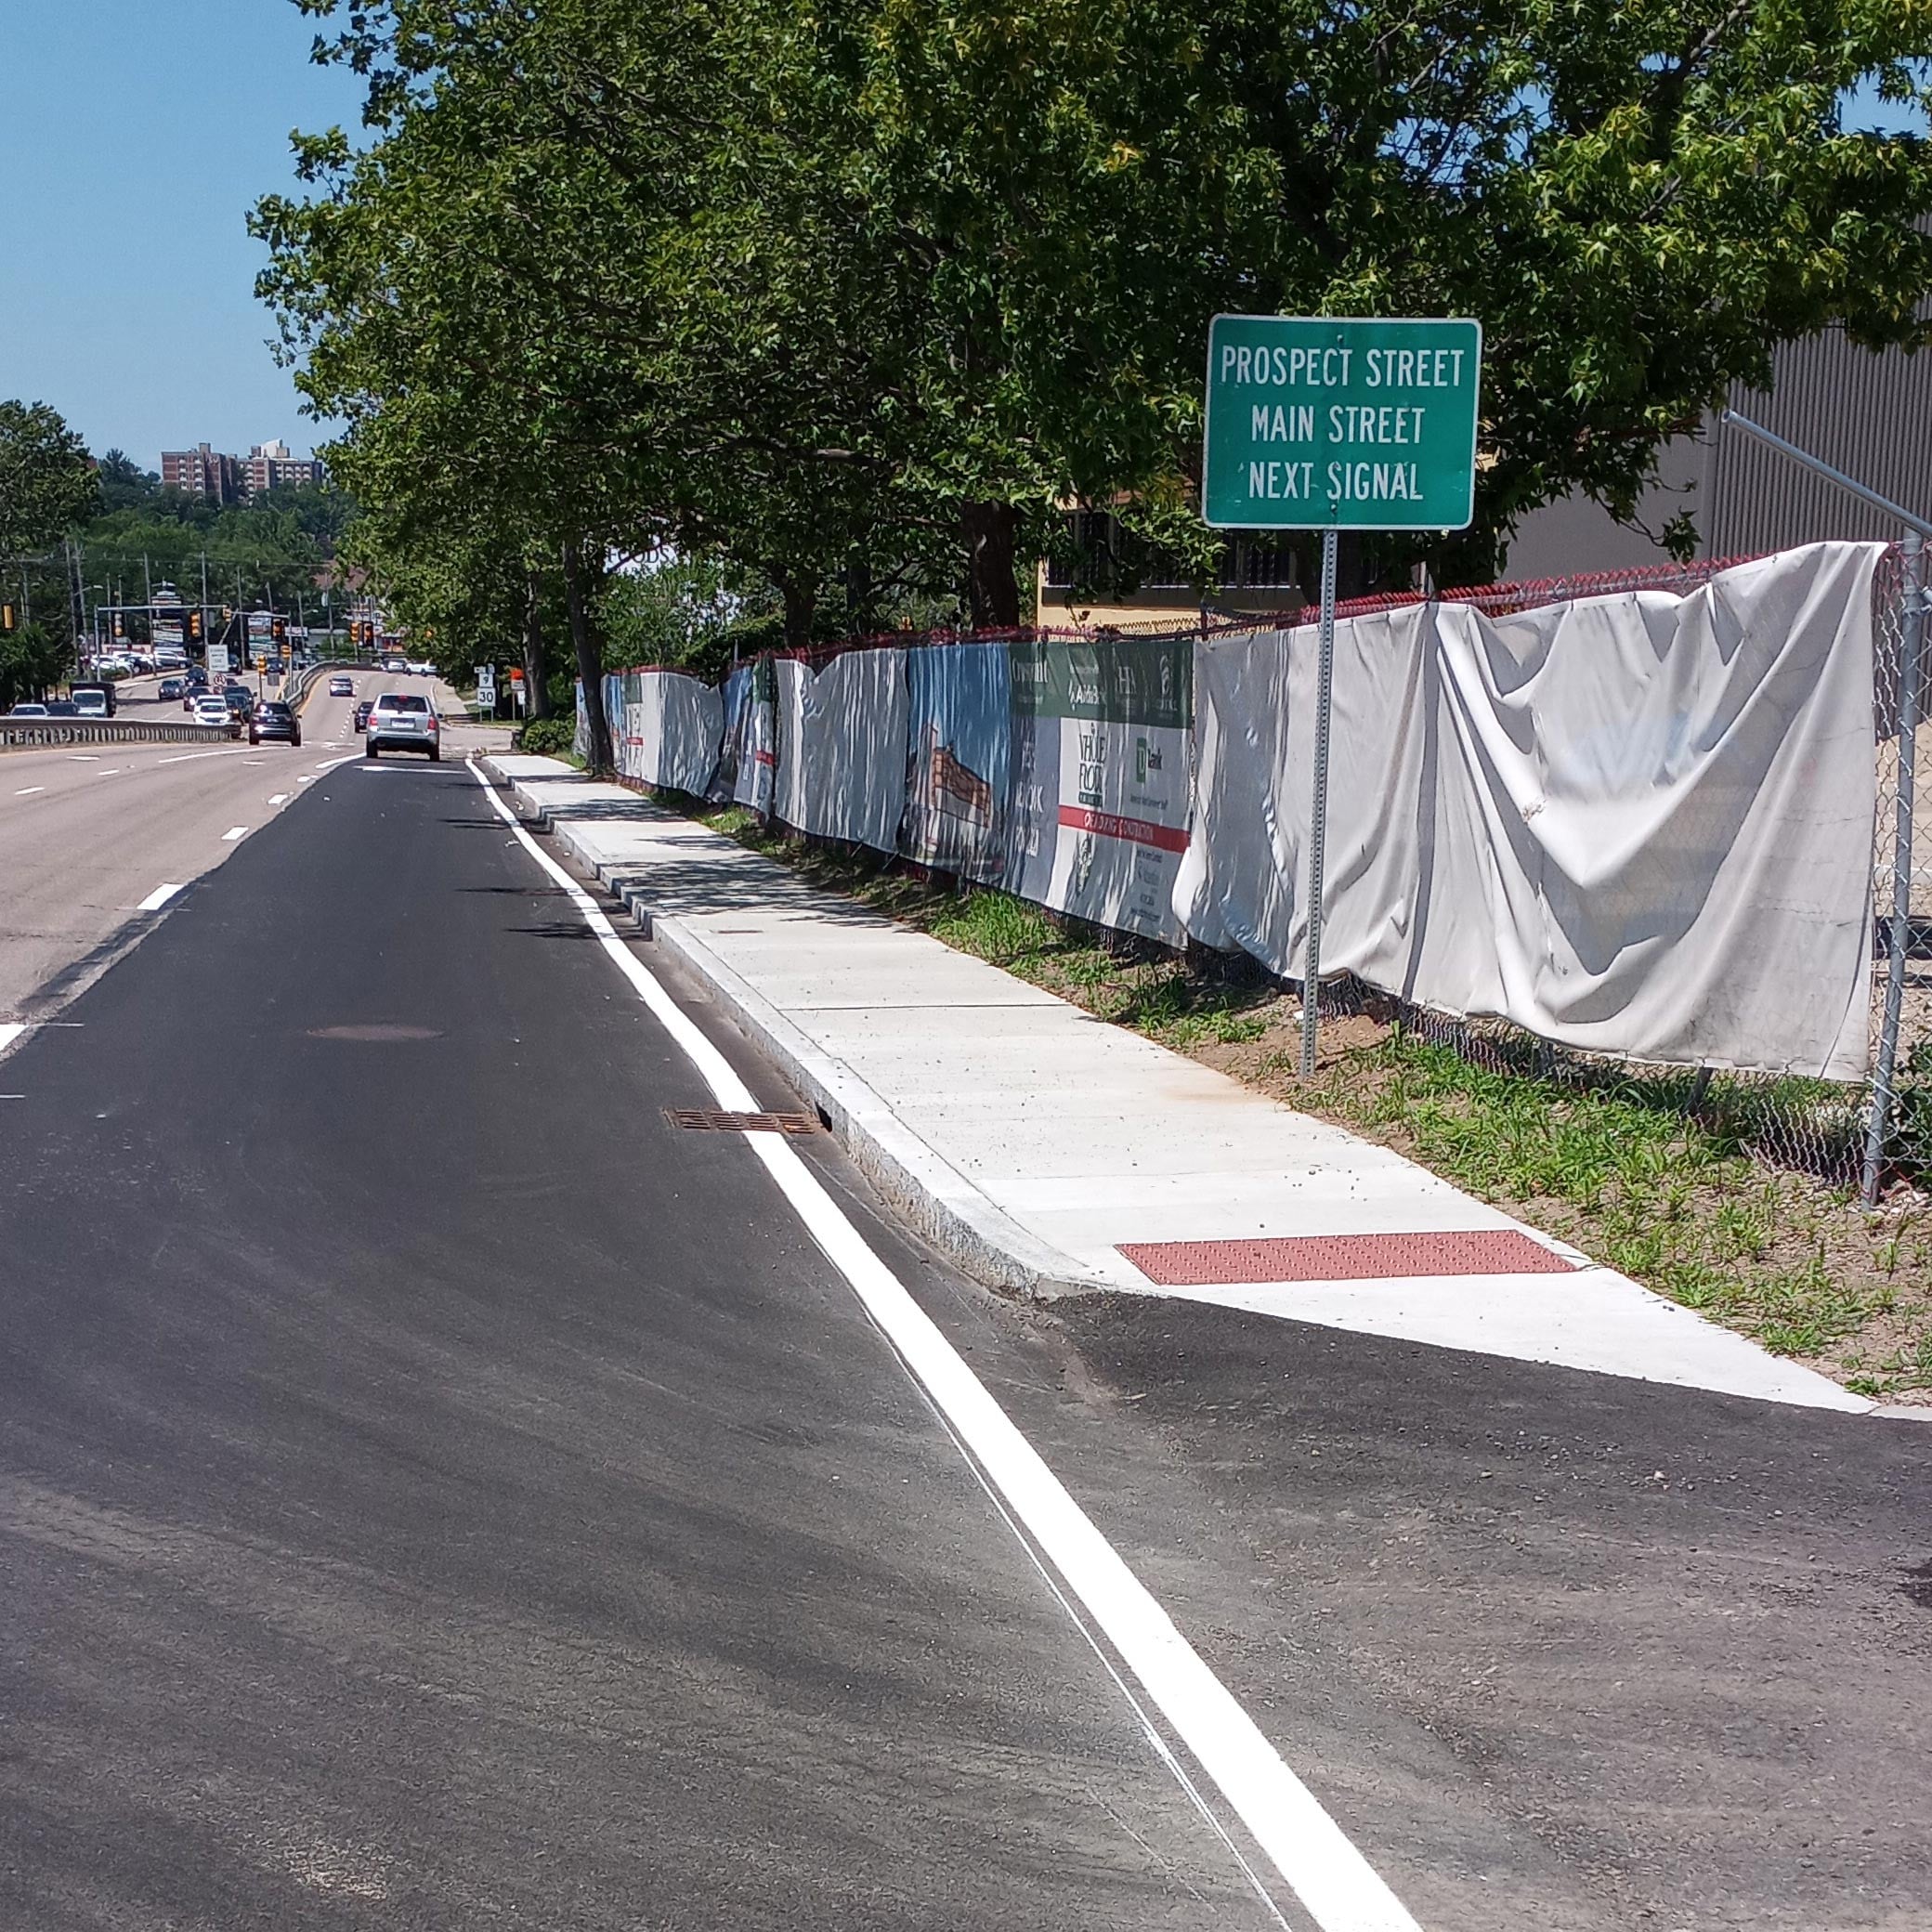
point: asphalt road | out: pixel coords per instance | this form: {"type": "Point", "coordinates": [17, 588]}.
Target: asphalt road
{"type": "Point", "coordinates": [436, 1490]}
{"type": "Point", "coordinates": [86, 836]}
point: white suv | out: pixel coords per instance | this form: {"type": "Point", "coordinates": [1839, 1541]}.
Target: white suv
{"type": "Point", "coordinates": [403, 721]}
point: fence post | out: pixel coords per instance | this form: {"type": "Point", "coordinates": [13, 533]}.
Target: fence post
{"type": "Point", "coordinates": [1912, 614]}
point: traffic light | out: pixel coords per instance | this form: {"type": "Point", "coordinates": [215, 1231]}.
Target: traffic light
{"type": "Point", "coordinates": [7, 619]}
{"type": "Point", "coordinates": [278, 628]}
{"type": "Point", "coordinates": [194, 627]}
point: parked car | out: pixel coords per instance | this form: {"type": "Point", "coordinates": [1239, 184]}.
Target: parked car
{"type": "Point", "coordinates": [209, 709]}
{"type": "Point", "coordinates": [173, 687]}
{"type": "Point", "coordinates": [403, 721]}
{"type": "Point", "coordinates": [27, 711]}
{"type": "Point", "coordinates": [362, 712]}
{"type": "Point", "coordinates": [340, 687]}
{"type": "Point", "coordinates": [275, 719]}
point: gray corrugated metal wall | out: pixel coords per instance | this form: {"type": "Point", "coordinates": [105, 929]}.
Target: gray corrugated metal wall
{"type": "Point", "coordinates": [1868, 415]}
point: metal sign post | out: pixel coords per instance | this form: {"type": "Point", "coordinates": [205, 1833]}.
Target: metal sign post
{"type": "Point", "coordinates": [1329, 423]}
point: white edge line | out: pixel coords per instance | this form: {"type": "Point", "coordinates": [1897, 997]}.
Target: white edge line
{"type": "Point", "coordinates": [329, 765]}
{"type": "Point", "coordinates": [234, 831]}
{"type": "Point", "coordinates": [1339, 1888]}
{"type": "Point", "coordinates": [11, 1030]}
{"type": "Point", "coordinates": [158, 898]}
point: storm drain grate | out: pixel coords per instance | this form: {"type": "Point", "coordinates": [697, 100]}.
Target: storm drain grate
{"type": "Point", "coordinates": [714, 1120]}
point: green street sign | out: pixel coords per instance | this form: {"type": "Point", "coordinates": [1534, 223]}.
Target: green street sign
{"type": "Point", "coordinates": [1317, 423]}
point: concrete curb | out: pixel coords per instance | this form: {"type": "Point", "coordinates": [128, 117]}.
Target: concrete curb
{"type": "Point", "coordinates": [934, 1196]}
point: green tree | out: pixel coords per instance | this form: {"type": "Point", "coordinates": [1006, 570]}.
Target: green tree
{"type": "Point", "coordinates": [806, 289]}
{"type": "Point", "coordinates": [46, 478]}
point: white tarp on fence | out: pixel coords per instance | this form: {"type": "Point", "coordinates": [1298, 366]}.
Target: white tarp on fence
{"type": "Point", "coordinates": [1639, 825]}
{"type": "Point", "coordinates": [667, 728]}
{"type": "Point", "coordinates": [842, 746]}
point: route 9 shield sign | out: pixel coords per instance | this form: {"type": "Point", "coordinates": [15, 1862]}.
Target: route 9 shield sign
{"type": "Point", "coordinates": [1320, 423]}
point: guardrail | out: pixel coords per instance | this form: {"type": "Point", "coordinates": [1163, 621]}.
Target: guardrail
{"type": "Point", "coordinates": [32, 734]}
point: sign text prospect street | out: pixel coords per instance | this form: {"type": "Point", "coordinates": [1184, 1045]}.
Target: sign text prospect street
{"type": "Point", "coordinates": [1316, 422]}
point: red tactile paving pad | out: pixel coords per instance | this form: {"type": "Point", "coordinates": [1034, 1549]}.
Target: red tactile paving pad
{"type": "Point", "coordinates": [1198, 1264]}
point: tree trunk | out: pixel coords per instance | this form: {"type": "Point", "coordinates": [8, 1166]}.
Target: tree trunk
{"type": "Point", "coordinates": [590, 662]}
{"type": "Point", "coordinates": [801, 605]}
{"type": "Point", "coordinates": [992, 589]}
{"type": "Point", "coordinates": [536, 672]}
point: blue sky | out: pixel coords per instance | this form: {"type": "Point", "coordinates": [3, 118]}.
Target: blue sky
{"type": "Point", "coordinates": [134, 136]}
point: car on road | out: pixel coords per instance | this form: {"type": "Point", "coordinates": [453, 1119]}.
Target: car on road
{"type": "Point", "coordinates": [96, 699]}
{"type": "Point", "coordinates": [275, 719]}
{"type": "Point", "coordinates": [342, 687]}
{"type": "Point", "coordinates": [403, 721]}
{"type": "Point", "coordinates": [239, 700]}
{"type": "Point", "coordinates": [361, 720]}
{"type": "Point", "coordinates": [173, 687]}
{"type": "Point", "coordinates": [29, 711]}
{"type": "Point", "coordinates": [210, 709]}
{"type": "Point", "coordinates": [423, 668]}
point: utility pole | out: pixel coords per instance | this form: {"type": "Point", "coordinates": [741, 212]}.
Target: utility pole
{"type": "Point", "coordinates": [146, 580]}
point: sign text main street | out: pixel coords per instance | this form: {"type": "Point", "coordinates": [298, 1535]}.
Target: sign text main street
{"type": "Point", "coordinates": [1316, 422]}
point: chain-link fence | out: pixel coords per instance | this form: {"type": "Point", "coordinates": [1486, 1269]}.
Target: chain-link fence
{"type": "Point", "coordinates": [1874, 1135]}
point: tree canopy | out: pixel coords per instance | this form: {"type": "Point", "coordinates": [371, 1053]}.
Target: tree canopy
{"type": "Point", "coordinates": [46, 478]}
{"type": "Point", "coordinates": [853, 298]}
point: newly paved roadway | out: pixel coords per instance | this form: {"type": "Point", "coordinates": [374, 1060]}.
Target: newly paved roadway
{"type": "Point", "coordinates": [437, 1491]}
{"type": "Point", "coordinates": [88, 834]}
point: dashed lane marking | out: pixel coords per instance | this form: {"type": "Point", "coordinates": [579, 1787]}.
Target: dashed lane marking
{"type": "Point", "coordinates": [281, 798]}
{"type": "Point", "coordinates": [158, 898]}
{"type": "Point", "coordinates": [27, 790]}
{"type": "Point", "coordinates": [234, 831]}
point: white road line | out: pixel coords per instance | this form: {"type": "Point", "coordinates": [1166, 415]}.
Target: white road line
{"type": "Point", "coordinates": [281, 798]}
{"type": "Point", "coordinates": [27, 790]}
{"type": "Point", "coordinates": [234, 831]}
{"type": "Point", "coordinates": [188, 757]}
{"type": "Point", "coordinates": [113, 770]}
{"type": "Point", "coordinates": [157, 898]}
{"type": "Point", "coordinates": [306, 778]}
{"type": "Point", "coordinates": [11, 1030]}
{"type": "Point", "coordinates": [1338, 1888]}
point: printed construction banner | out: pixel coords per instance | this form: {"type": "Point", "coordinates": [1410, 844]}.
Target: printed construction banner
{"type": "Point", "coordinates": [749, 753]}
{"type": "Point", "coordinates": [957, 786]}
{"type": "Point", "coordinates": [667, 728]}
{"type": "Point", "coordinates": [842, 746]}
{"type": "Point", "coordinates": [1102, 764]}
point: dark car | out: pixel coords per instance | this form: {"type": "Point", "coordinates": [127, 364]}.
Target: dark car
{"type": "Point", "coordinates": [240, 701]}
{"type": "Point", "coordinates": [274, 720]}
{"type": "Point", "coordinates": [173, 687]}
{"type": "Point", "coordinates": [196, 683]}
{"type": "Point", "coordinates": [362, 712]}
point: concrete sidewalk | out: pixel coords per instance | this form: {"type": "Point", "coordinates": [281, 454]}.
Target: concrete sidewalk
{"type": "Point", "coordinates": [1051, 1152]}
